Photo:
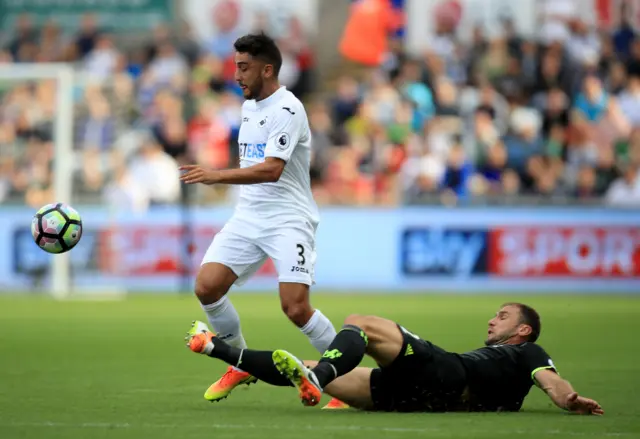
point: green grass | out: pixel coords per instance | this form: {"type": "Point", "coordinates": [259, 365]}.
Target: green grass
{"type": "Point", "coordinates": [88, 369]}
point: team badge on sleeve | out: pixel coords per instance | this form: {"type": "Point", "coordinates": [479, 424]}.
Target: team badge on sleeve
{"type": "Point", "coordinates": [282, 142]}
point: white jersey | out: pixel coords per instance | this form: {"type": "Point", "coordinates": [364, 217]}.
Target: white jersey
{"type": "Point", "coordinates": [277, 127]}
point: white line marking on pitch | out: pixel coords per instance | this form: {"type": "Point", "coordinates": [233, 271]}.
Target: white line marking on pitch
{"type": "Point", "coordinates": [431, 431]}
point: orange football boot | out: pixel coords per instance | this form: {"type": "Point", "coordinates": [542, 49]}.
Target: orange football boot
{"type": "Point", "coordinates": [336, 404]}
{"type": "Point", "coordinates": [199, 341]}
{"type": "Point", "coordinates": [302, 377]}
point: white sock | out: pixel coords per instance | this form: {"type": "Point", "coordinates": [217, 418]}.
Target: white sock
{"type": "Point", "coordinates": [225, 321]}
{"type": "Point", "coordinates": [320, 331]}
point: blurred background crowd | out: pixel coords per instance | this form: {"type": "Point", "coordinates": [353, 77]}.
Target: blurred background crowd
{"type": "Point", "coordinates": [552, 118]}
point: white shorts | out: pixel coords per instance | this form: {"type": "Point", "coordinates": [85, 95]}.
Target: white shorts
{"type": "Point", "coordinates": [291, 248]}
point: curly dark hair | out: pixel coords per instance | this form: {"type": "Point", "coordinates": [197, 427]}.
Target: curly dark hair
{"type": "Point", "coordinates": [262, 47]}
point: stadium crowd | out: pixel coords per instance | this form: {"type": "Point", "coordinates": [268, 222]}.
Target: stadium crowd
{"type": "Point", "coordinates": [500, 120]}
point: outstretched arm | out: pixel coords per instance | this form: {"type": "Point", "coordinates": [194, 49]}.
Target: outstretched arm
{"type": "Point", "coordinates": [563, 395]}
{"type": "Point", "coordinates": [267, 172]}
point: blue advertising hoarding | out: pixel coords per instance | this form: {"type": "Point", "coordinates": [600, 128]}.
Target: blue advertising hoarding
{"type": "Point", "coordinates": [411, 249]}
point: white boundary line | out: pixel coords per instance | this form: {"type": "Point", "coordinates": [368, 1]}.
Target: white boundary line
{"type": "Point", "coordinates": [431, 431]}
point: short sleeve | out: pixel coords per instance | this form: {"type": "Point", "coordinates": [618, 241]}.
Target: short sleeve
{"type": "Point", "coordinates": [285, 132]}
{"type": "Point", "coordinates": [536, 359]}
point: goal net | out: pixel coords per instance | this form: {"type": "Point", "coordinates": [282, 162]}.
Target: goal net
{"type": "Point", "coordinates": [66, 138]}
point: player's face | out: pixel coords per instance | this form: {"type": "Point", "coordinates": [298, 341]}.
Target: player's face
{"type": "Point", "coordinates": [249, 75]}
{"type": "Point", "coordinates": [504, 326]}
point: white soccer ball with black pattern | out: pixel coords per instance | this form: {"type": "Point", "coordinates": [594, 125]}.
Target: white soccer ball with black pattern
{"type": "Point", "coordinates": [56, 228]}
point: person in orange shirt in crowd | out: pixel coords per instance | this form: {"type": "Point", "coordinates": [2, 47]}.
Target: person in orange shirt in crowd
{"type": "Point", "coordinates": [365, 38]}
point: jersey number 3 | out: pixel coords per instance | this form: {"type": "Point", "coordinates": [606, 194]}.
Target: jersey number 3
{"type": "Point", "coordinates": [302, 259]}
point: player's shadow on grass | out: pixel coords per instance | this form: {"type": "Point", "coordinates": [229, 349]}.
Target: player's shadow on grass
{"type": "Point", "coordinates": [528, 412]}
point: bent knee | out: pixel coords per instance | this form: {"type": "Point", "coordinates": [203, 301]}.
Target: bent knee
{"type": "Point", "coordinates": [366, 323]}
{"type": "Point", "coordinates": [209, 292]}
{"type": "Point", "coordinates": [299, 312]}
{"type": "Point", "coordinates": [376, 328]}
{"type": "Point", "coordinates": [212, 284]}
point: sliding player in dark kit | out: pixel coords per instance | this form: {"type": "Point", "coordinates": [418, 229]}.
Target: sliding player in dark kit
{"type": "Point", "coordinates": [414, 375]}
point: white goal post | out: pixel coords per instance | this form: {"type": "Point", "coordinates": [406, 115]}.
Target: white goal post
{"type": "Point", "coordinates": [63, 74]}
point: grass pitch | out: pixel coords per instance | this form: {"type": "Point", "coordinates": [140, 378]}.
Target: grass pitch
{"type": "Point", "coordinates": [84, 369]}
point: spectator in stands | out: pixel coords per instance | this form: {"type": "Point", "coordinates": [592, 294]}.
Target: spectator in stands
{"type": "Point", "coordinates": [458, 171]}
{"type": "Point", "coordinates": [417, 92]}
{"type": "Point", "coordinates": [51, 47]}
{"type": "Point", "coordinates": [101, 62]}
{"type": "Point", "coordinates": [157, 173]}
{"type": "Point", "coordinates": [208, 136]}
{"type": "Point", "coordinates": [494, 63]}
{"type": "Point", "coordinates": [167, 65]}
{"type": "Point", "coordinates": [161, 35]}
{"type": "Point", "coordinates": [169, 129]}
{"type": "Point", "coordinates": [586, 189]}
{"type": "Point", "coordinates": [606, 171]}
{"type": "Point", "coordinates": [87, 37]}
{"type": "Point", "coordinates": [511, 184]}
{"type": "Point", "coordinates": [134, 64]}
{"type": "Point", "coordinates": [529, 60]}
{"type": "Point", "coordinates": [634, 56]}
{"type": "Point", "coordinates": [629, 99]}
{"type": "Point", "coordinates": [447, 100]}
{"type": "Point", "coordinates": [298, 59]}
{"type": "Point", "coordinates": [323, 140]}
{"type": "Point", "coordinates": [592, 103]}
{"type": "Point", "coordinates": [290, 70]}
{"type": "Point", "coordinates": [483, 134]}
{"type": "Point", "coordinates": [486, 97]}
{"type": "Point", "coordinates": [186, 43]}
{"type": "Point", "coordinates": [525, 141]}
{"type": "Point", "coordinates": [225, 16]}
{"type": "Point", "coordinates": [346, 101]}
{"type": "Point", "coordinates": [98, 130]}
{"type": "Point", "coordinates": [25, 36]}
{"type": "Point", "coordinates": [600, 113]}
{"type": "Point", "coordinates": [555, 108]}
{"type": "Point", "coordinates": [623, 36]}
{"type": "Point", "coordinates": [584, 43]}
{"type": "Point", "coordinates": [422, 171]}
{"type": "Point", "coordinates": [545, 180]}
{"type": "Point", "coordinates": [543, 120]}
{"type": "Point", "coordinates": [556, 16]}
{"type": "Point", "coordinates": [511, 84]}
{"type": "Point", "coordinates": [492, 168]}
{"type": "Point", "coordinates": [625, 191]}
{"type": "Point", "coordinates": [125, 110]}
{"type": "Point", "coordinates": [556, 139]}
{"type": "Point", "coordinates": [124, 193]}
{"type": "Point", "coordinates": [616, 77]}
{"type": "Point", "coordinates": [32, 172]}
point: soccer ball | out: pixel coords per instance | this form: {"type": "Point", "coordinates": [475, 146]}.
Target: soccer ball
{"type": "Point", "coordinates": [56, 228]}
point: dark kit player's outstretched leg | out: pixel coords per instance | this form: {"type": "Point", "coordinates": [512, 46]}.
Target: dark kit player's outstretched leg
{"type": "Point", "coordinates": [353, 388]}
{"type": "Point", "coordinates": [258, 363]}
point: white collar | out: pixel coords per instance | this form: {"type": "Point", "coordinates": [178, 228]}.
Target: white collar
{"type": "Point", "coordinates": [271, 99]}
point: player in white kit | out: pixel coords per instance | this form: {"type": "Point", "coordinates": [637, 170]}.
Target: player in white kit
{"type": "Point", "coordinates": [276, 215]}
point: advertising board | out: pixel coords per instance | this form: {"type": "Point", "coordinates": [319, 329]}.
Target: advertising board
{"type": "Point", "coordinates": [422, 250]}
